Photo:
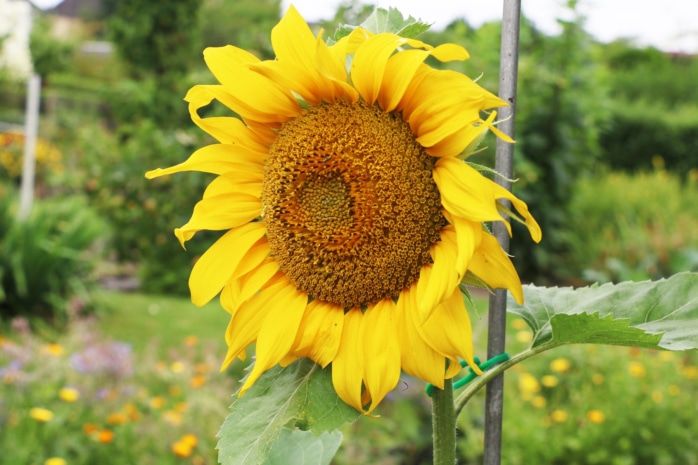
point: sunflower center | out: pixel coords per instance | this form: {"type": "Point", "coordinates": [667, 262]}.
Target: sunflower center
{"type": "Point", "coordinates": [351, 206]}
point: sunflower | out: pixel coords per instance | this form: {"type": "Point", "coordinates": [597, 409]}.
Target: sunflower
{"type": "Point", "coordinates": [351, 217]}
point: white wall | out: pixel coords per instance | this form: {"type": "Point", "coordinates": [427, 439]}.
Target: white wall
{"type": "Point", "coordinates": [15, 26]}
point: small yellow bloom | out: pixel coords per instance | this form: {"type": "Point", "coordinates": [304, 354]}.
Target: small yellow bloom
{"type": "Point", "coordinates": [157, 402]}
{"type": "Point", "coordinates": [549, 381]}
{"type": "Point", "coordinates": [190, 439]}
{"type": "Point", "coordinates": [524, 336]}
{"type": "Point", "coordinates": [182, 449]}
{"type": "Point", "coordinates": [637, 369]}
{"type": "Point", "coordinates": [560, 365]}
{"type": "Point", "coordinates": [177, 367]}
{"type": "Point", "coordinates": [172, 417]}
{"type": "Point", "coordinates": [68, 394]}
{"type": "Point", "coordinates": [538, 401]}
{"type": "Point", "coordinates": [558, 416]}
{"type": "Point", "coordinates": [202, 368]}
{"type": "Point", "coordinates": [596, 416]}
{"type": "Point", "coordinates": [132, 411]}
{"type": "Point", "coordinates": [181, 407]}
{"type": "Point", "coordinates": [197, 381]}
{"type": "Point", "coordinates": [41, 414]}
{"type": "Point", "coordinates": [519, 324]}
{"type": "Point", "coordinates": [666, 356]}
{"type": "Point", "coordinates": [174, 390]}
{"type": "Point", "coordinates": [53, 349]}
{"type": "Point", "coordinates": [674, 390]}
{"type": "Point", "coordinates": [657, 397]}
{"type": "Point", "coordinates": [597, 378]}
{"type": "Point", "coordinates": [191, 341]}
{"type": "Point", "coordinates": [90, 428]}
{"type": "Point", "coordinates": [105, 436]}
{"type": "Point", "coordinates": [690, 372]}
{"type": "Point", "coordinates": [117, 418]}
{"type": "Point", "coordinates": [55, 461]}
{"type": "Point", "coordinates": [528, 385]}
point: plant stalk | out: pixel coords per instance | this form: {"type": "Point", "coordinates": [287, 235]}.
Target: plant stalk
{"type": "Point", "coordinates": [444, 425]}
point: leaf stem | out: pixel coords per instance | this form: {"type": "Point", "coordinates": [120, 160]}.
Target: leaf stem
{"type": "Point", "coordinates": [444, 425]}
{"type": "Point", "coordinates": [475, 385]}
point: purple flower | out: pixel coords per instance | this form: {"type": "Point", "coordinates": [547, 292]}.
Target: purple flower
{"type": "Point", "coordinates": [107, 358]}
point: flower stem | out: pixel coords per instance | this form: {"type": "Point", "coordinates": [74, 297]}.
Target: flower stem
{"type": "Point", "coordinates": [444, 425]}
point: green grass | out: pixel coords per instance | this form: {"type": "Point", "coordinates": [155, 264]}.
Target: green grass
{"type": "Point", "coordinates": [139, 319]}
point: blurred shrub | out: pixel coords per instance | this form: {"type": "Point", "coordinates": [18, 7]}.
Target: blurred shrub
{"type": "Point", "coordinates": [650, 74]}
{"type": "Point", "coordinates": [243, 23]}
{"type": "Point", "coordinates": [634, 226]}
{"type": "Point", "coordinates": [50, 54]}
{"type": "Point", "coordinates": [46, 259]}
{"type": "Point", "coordinates": [642, 130]}
{"type": "Point", "coordinates": [91, 400]}
{"type": "Point", "coordinates": [110, 169]}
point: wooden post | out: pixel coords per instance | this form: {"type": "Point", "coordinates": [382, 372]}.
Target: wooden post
{"type": "Point", "coordinates": [31, 130]}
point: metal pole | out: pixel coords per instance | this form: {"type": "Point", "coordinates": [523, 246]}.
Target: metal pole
{"type": "Point", "coordinates": [31, 131]}
{"type": "Point", "coordinates": [508, 73]}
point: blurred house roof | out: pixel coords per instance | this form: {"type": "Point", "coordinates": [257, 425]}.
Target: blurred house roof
{"type": "Point", "coordinates": [77, 8]}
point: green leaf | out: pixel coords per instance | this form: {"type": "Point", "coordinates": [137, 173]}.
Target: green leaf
{"type": "Point", "coordinates": [299, 395]}
{"type": "Point", "coordinates": [382, 20]}
{"type": "Point", "coordinates": [304, 448]}
{"type": "Point", "coordinates": [653, 314]}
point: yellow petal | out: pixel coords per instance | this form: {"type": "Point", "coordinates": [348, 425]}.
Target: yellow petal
{"type": "Point", "coordinates": [254, 257]}
{"type": "Point", "coordinates": [464, 191]}
{"type": "Point", "coordinates": [278, 331]}
{"type": "Point", "coordinates": [522, 208]}
{"type": "Point", "coordinates": [437, 280]}
{"type": "Point", "coordinates": [246, 323]}
{"type": "Point", "coordinates": [399, 72]}
{"type": "Point", "coordinates": [417, 357]}
{"type": "Point", "coordinates": [249, 94]}
{"type": "Point", "coordinates": [220, 212]}
{"type": "Point", "coordinates": [216, 159]}
{"type": "Point", "coordinates": [292, 39]}
{"type": "Point", "coordinates": [239, 290]}
{"type": "Point", "coordinates": [468, 236]}
{"type": "Point", "coordinates": [217, 264]}
{"type": "Point", "coordinates": [381, 350]}
{"type": "Point", "coordinates": [319, 333]}
{"type": "Point", "coordinates": [225, 129]}
{"type": "Point", "coordinates": [494, 267]}
{"type": "Point", "coordinates": [370, 60]}
{"type": "Point", "coordinates": [347, 366]}
{"type": "Point", "coordinates": [448, 330]}
{"type": "Point", "coordinates": [240, 181]}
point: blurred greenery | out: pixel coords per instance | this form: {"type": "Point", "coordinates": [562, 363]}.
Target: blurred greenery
{"type": "Point", "coordinates": [46, 260]}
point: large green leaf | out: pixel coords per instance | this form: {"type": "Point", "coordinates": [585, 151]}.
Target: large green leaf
{"type": "Point", "coordinates": [304, 448]}
{"type": "Point", "coordinates": [299, 395]}
{"type": "Point", "coordinates": [654, 314]}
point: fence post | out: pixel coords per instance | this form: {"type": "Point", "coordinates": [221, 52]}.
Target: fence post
{"type": "Point", "coordinates": [508, 73]}
{"type": "Point", "coordinates": [31, 131]}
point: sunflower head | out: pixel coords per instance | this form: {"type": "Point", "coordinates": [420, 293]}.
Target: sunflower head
{"type": "Point", "coordinates": [349, 215]}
